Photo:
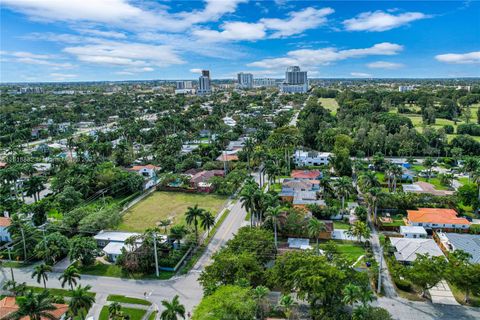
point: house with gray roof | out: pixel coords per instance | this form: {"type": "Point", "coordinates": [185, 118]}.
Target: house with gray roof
{"type": "Point", "coordinates": [469, 243]}
{"type": "Point", "coordinates": [407, 249]}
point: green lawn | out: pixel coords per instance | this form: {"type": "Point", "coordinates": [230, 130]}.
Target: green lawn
{"type": "Point", "coordinates": [111, 270]}
{"type": "Point", "coordinates": [348, 249]}
{"type": "Point", "coordinates": [460, 296]}
{"type": "Point", "coordinates": [135, 314]}
{"type": "Point", "coordinates": [341, 225]}
{"type": "Point", "coordinates": [439, 123]}
{"type": "Point", "coordinates": [124, 299]}
{"type": "Point", "coordinates": [167, 205]}
{"type": "Point", "coordinates": [330, 104]}
{"type": "Point", "coordinates": [152, 315]}
{"type": "Point", "coordinates": [56, 292]}
{"type": "Point", "coordinates": [436, 182]}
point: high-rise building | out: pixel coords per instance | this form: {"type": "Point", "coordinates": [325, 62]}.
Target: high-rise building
{"type": "Point", "coordinates": [245, 80]}
{"type": "Point", "coordinates": [184, 87]}
{"type": "Point", "coordinates": [296, 81]}
{"type": "Point", "coordinates": [265, 82]}
{"type": "Point", "coordinates": [204, 86]}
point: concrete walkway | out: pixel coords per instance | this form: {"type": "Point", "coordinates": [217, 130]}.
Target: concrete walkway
{"type": "Point", "coordinates": [441, 293]}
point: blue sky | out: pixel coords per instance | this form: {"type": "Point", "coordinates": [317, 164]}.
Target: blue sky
{"type": "Point", "coordinates": [84, 40]}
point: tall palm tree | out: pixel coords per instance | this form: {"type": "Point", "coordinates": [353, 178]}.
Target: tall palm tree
{"type": "Point", "coordinates": [397, 174]}
{"type": "Point", "coordinates": [165, 223]}
{"type": "Point", "coordinates": [287, 305]}
{"type": "Point", "coordinates": [247, 196]}
{"type": "Point", "coordinates": [34, 186]}
{"type": "Point", "coordinates": [248, 147]}
{"type": "Point", "coordinates": [372, 198]}
{"type": "Point", "coordinates": [476, 180]}
{"type": "Point", "coordinates": [272, 214]}
{"type": "Point", "coordinates": [315, 228]}
{"type": "Point", "coordinates": [207, 221]}
{"type": "Point", "coordinates": [470, 165]}
{"type": "Point", "coordinates": [191, 217]}
{"type": "Point", "coordinates": [343, 187]}
{"type": "Point", "coordinates": [34, 306]}
{"type": "Point", "coordinates": [173, 309]}
{"type": "Point", "coordinates": [41, 272]}
{"type": "Point", "coordinates": [428, 164]}
{"type": "Point", "coordinates": [81, 301]}
{"type": "Point", "coordinates": [368, 180]}
{"type": "Point", "coordinates": [70, 276]}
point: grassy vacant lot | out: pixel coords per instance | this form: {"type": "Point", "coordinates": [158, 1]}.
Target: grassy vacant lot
{"type": "Point", "coordinates": [167, 205]}
{"type": "Point", "coordinates": [330, 104]}
{"type": "Point", "coordinates": [135, 314]}
{"type": "Point", "coordinates": [341, 225]}
{"type": "Point", "coordinates": [124, 299]}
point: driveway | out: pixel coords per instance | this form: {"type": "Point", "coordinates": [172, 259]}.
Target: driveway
{"type": "Point", "coordinates": [442, 294]}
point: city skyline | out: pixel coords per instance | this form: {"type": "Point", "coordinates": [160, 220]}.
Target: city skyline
{"type": "Point", "coordinates": [99, 41]}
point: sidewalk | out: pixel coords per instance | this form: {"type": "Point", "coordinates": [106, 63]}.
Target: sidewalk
{"type": "Point", "coordinates": [442, 294]}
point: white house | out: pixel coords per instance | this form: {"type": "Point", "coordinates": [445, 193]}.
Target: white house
{"type": "Point", "coordinates": [413, 232]}
{"type": "Point", "coordinates": [311, 158]}
{"type": "Point", "coordinates": [149, 173]}
{"type": "Point", "coordinates": [4, 234]}
{"type": "Point", "coordinates": [112, 242]}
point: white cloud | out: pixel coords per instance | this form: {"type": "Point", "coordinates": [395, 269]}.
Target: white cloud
{"type": "Point", "coordinates": [233, 31]}
{"type": "Point", "coordinates": [360, 75]}
{"type": "Point", "coordinates": [325, 56]}
{"type": "Point", "coordinates": [460, 58]}
{"type": "Point", "coordinates": [105, 34]}
{"type": "Point", "coordinates": [384, 65]}
{"type": "Point", "coordinates": [196, 70]}
{"type": "Point", "coordinates": [381, 21]}
{"type": "Point", "coordinates": [297, 22]}
{"type": "Point", "coordinates": [126, 54]}
{"type": "Point", "coordinates": [62, 76]}
{"type": "Point", "coordinates": [121, 13]}
{"type": "Point", "coordinates": [35, 59]}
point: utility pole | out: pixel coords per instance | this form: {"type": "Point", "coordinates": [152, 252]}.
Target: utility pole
{"type": "Point", "coordinates": [10, 258]}
{"type": "Point", "coordinates": [24, 245]}
{"type": "Point", "coordinates": [45, 242]}
{"type": "Point", "coordinates": [379, 286]}
{"type": "Point", "coordinates": [155, 251]}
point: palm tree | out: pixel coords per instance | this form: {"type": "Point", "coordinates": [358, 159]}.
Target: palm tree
{"type": "Point", "coordinates": [34, 186]}
{"type": "Point", "coordinates": [247, 196]}
{"type": "Point", "coordinates": [343, 186]}
{"type": "Point", "coordinates": [248, 147]}
{"type": "Point", "coordinates": [207, 221]}
{"type": "Point", "coordinates": [315, 228]}
{"type": "Point", "coordinates": [165, 223]}
{"type": "Point", "coordinates": [373, 196]}
{"type": "Point", "coordinates": [351, 294]}
{"type": "Point", "coordinates": [272, 214]}
{"type": "Point", "coordinates": [397, 174]}
{"type": "Point", "coordinates": [366, 296]}
{"type": "Point", "coordinates": [173, 309]}
{"type": "Point", "coordinates": [260, 294]}
{"type": "Point", "coordinates": [115, 310]}
{"type": "Point", "coordinates": [81, 301]}
{"type": "Point", "coordinates": [41, 272]}
{"type": "Point", "coordinates": [470, 165]}
{"type": "Point", "coordinates": [359, 230]}
{"type": "Point", "coordinates": [428, 164]}
{"type": "Point", "coordinates": [286, 304]}
{"type": "Point", "coordinates": [476, 180]}
{"type": "Point", "coordinates": [70, 276]}
{"type": "Point", "coordinates": [368, 180]}
{"type": "Point", "coordinates": [34, 306]}
{"type": "Point", "coordinates": [191, 217]}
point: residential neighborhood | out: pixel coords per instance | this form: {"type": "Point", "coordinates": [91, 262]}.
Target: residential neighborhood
{"type": "Point", "coordinates": [239, 160]}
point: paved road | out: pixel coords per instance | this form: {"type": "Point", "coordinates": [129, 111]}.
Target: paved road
{"type": "Point", "coordinates": [402, 309]}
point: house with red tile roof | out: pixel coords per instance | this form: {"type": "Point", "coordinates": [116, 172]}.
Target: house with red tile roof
{"type": "Point", "coordinates": [149, 172]}
{"type": "Point", "coordinates": [437, 219]}
{"type": "Point", "coordinates": [8, 305]}
{"type": "Point", "coordinates": [306, 174]}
